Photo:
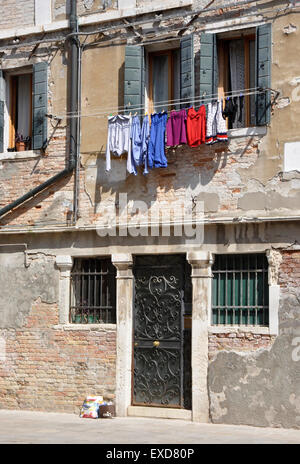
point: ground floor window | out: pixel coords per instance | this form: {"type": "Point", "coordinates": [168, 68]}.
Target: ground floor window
{"type": "Point", "coordinates": [240, 293]}
{"type": "Point", "coordinates": [93, 297]}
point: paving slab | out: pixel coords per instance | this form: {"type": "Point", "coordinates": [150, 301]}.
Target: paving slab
{"type": "Point", "coordinates": [57, 428]}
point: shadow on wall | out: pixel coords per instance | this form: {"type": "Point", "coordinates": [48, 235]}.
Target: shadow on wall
{"type": "Point", "coordinates": [189, 169]}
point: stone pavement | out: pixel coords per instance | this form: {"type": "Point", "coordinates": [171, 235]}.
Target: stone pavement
{"type": "Point", "coordinates": [42, 427]}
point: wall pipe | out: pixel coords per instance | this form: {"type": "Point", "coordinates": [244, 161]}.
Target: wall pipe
{"type": "Point", "coordinates": [72, 161]}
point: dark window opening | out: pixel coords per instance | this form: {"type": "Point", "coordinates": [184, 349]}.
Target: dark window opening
{"type": "Point", "coordinates": [164, 79]}
{"type": "Point", "coordinates": [237, 72]}
{"type": "Point", "coordinates": [93, 283]}
{"type": "Point", "coordinates": [20, 112]}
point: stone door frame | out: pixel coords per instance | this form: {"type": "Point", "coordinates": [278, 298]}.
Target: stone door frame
{"type": "Point", "coordinates": [201, 263]}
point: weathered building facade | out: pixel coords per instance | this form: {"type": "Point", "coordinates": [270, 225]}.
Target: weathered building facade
{"type": "Point", "coordinates": [102, 290]}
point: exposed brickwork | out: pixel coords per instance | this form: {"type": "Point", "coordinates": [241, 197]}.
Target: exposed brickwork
{"type": "Point", "coordinates": [289, 272]}
{"type": "Point", "coordinates": [238, 341]}
{"type": "Point", "coordinates": [52, 369]}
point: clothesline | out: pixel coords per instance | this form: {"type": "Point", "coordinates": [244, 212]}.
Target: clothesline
{"type": "Point", "coordinates": [165, 103]}
{"type": "Point", "coordinates": [145, 144]}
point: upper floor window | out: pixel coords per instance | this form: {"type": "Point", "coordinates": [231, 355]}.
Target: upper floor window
{"type": "Point", "coordinates": [93, 297]}
{"type": "Point", "coordinates": [236, 63]}
{"type": "Point", "coordinates": [155, 77]}
{"type": "Point", "coordinates": [231, 62]}
{"type": "Point", "coordinates": [240, 293]}
{"type": "Point", "coordinates": [19, 93]}
{"type": "Point", "coordinates": [23, 108]}
{"type": "Point", "coordinates": [164, 79]}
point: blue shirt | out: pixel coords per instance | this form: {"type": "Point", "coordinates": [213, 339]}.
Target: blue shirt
{"type": "Point", "coordinates": [156, 147]}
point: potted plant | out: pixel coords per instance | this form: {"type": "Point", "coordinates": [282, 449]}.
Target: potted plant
{"type": "Point", "coordinates": [22, 142]}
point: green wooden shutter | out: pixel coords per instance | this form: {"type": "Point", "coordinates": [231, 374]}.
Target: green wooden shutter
{"type": "Point", "coordinates": [134, 77]}
{"type": "Point", "coordinates": [40, 94]}
{"type": "Point", "coordinates": [2, 99]}
{"type": "Point", "coordinates": [263, 72]}
{"type": "Point", "coordinates": [208, 64]}
{"type": "Point", "coordinates": [187, 84]}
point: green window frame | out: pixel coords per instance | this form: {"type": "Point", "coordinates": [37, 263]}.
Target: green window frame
{"type": "Point", "coordinates": [240, 290]}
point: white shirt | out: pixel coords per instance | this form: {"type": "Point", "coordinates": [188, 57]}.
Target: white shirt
{"type": "Point", "coordinates": [118, 138]}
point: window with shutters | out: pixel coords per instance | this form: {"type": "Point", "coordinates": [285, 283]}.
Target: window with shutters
{"type": "Point", "coordinates": [20, 111]}
{"type": "Point", "coordinates": [23, 108]}
{"type": "Point", "coordinates": [154, 75]}
{"type": "Point", "coordinates": [238, 62]}
{"type": "Point", "coordinates": [93, 297]}
{"type": "Point", "coordinates": [240, 293]}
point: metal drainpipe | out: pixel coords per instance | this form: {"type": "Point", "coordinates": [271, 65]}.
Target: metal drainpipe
{"type": "Point", "coordinates": [74, 124]}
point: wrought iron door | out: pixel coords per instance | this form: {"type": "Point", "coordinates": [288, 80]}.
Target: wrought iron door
{"type": "Point", "coordinates": [160, 375]}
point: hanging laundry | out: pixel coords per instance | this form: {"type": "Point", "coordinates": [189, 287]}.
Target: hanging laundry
{"type": "Point", "coordinates": [156, 147]}
{"type": "Point", "coordinates": [145, 135]}
{"type": "Point", "coordinates": [241, 104]}
{"type": "Point", "coordinates": [196, 129]}
{"type": "Point", "coordinates": [118, 139]}
{"type": "Point", "coordinates": [230, 110]}
{"type": "Point", "coordinates": [136, 143]}
{"type": "Point", "coordinates": [196, 126]}
{"type": "Point", "coordinates": [215, 124]}
{"type": "Point", "coordinates": [176, 128]}
{"type": "Point", "coordinates": [139, 144]}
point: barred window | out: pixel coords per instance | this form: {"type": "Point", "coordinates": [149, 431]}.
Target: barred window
{"type": "Point", "coordinates": [93, 298]}
{"type": "Point", "coordinates": [240, 293]}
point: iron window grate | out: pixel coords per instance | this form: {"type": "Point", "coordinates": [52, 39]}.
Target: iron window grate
{"type": "Point", "coordinates": [93, 282]}
{"type": "Point", "coordinates": [240, 293]}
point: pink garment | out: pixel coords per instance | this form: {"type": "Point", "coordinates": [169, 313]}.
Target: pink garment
{"type": "Point", "coordinates": [176, 128]}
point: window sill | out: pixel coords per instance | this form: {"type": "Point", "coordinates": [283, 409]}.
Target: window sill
{"type": "Point", "coordinates": [254, 329]}
{"type": "Point", "coordinates": [247, 131]}
{"type": "Point", "coordinates": [19, 155]}
{"type": "Point", "coordinates": [86, 327]}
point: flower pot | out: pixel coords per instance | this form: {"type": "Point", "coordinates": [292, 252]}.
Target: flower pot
{"type": "Point", "coordinates": [20, 146]}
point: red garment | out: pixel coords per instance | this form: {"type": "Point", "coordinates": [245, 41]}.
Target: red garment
{"type": "Point", "coordinates": [196, 126]}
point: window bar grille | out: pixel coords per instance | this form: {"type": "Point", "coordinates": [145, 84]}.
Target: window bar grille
{"type": "Point", "coordinates": [256, 292]}
{"type": "Point", "coordinates": [92, 282]}
{"type": "Point", "coordinates": [240, 295]}
{"type": "Point", "coordinates": [248, 292]}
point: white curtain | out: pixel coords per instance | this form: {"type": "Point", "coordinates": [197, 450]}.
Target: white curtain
{"type": "Point", "coordinates": [237, 73]}
{"type": "Point", "coordinates": [24, 105]}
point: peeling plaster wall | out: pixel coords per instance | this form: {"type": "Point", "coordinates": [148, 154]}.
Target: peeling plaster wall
{"type": "Point", "coordinates": [25, 286]}
{"type": "Point", "coordinates": [61, 8]}
{"type": "Point", "coordinates": [242, 178]}
{"type": "Point", "coordinates": [43, 365]}
{"type": "Point", "coordinates": [262, 388]}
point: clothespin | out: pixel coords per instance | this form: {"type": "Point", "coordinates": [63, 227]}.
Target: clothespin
{"type": "Point", "coordinates": [135, 113]}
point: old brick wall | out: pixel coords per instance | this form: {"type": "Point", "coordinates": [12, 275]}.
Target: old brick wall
{"type": "Point", "coordinates": [238, 340]}
{"type": "Point", "coordinates": [243, 178]}
{"type": "Point", "coordinates": [45, 366]}
{"type": "Point", "coordinates": [257, 382]}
